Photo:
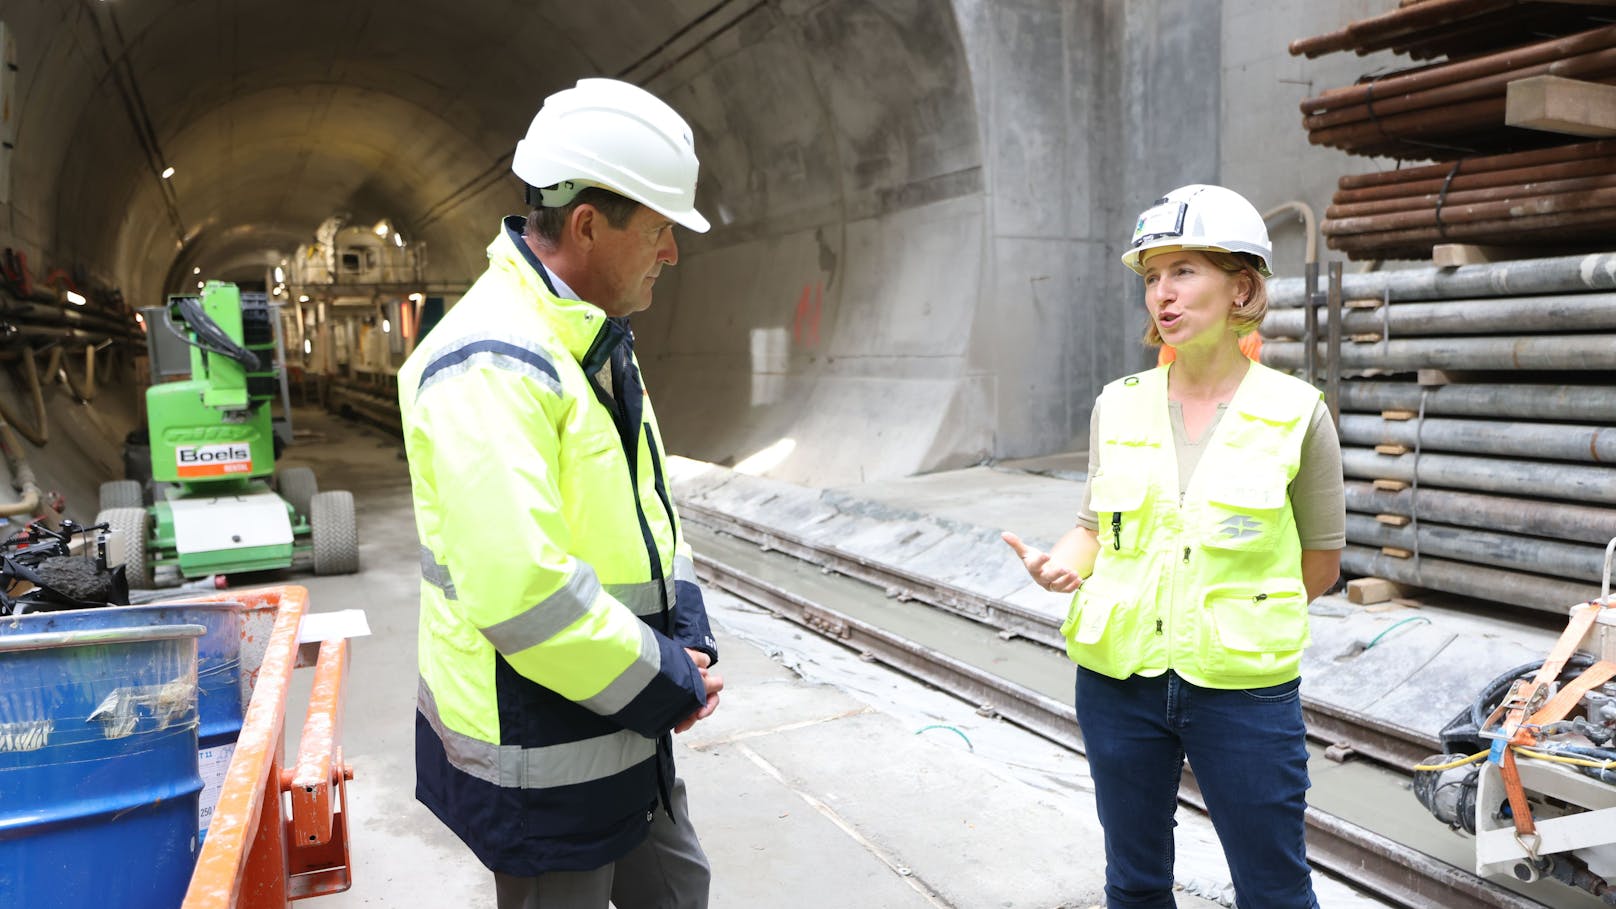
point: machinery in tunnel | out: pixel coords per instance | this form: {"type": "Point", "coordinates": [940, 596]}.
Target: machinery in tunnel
{"type": "Point", "coordinates": [214, 444]}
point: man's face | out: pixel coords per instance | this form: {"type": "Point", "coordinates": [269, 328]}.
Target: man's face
{"type": "Point", "coordinates": [625, 262]}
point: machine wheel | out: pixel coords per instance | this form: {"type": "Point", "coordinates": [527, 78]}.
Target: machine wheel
{"type": "Point", "coordinates": [298, 487]}
{"type": "Point", "coordinates": [133, 523]}
{"type": "Point", "coordinates": [336, 538]}
{"type": "Point", "coordinates": [122, 494]}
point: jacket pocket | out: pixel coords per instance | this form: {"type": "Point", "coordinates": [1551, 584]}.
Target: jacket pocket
{"type": "Point", "coordinates": [1100, 628]}
{"type": "Point", "coordinates": [1252, 631]}
{"type": "Point", "coordinates": [1246, 511]}
{"type": "Point", "coordinates": [1118, 500]}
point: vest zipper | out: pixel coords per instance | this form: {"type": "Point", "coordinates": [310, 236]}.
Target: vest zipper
{"type": "Point", "coordinates": [1116, 530]}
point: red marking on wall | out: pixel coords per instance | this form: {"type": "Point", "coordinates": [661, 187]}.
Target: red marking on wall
{"type": "Point", "coordinates": [805, 324]}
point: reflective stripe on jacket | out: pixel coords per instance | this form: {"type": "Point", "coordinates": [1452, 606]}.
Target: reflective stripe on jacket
{"type": "Point", "coordinates": [1210, 584]}
{"type": "Point", "coordinates": [557, 594]}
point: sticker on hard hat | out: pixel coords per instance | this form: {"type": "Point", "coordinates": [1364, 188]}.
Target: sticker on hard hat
{"type": "Point", "coordinates": [212, 460]}
{"type": "Point", "coordinates": [1163, 220]}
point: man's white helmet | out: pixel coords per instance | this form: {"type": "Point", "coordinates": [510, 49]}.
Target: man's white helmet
{"type": "Point", "coordinates": [616, 136]}
{"type": "Point", "coordinates": [1200, 216]}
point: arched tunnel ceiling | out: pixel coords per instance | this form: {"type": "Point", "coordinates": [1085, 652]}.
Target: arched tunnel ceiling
{"type": "Point", "coordinates": [906, 236]}
{"type": "Point", "coordinates": [276, 115]}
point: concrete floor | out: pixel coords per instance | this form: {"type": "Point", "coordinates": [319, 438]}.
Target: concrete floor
{"type": "Point", "coordinates": [822, 780]}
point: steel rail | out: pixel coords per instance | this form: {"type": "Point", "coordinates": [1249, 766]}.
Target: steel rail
{"type": "Point", "coordinates": [1362, 856]}
{"type": "Point", "coordinates": [1345, 732]}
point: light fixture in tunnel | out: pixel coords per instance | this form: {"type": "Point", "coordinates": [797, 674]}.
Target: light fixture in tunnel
{"type": "Point", "coordinates": [382, 228]}
{"type": "Point", "coordinates": [199, 285]}
{"type": "Point", "coordinates": [386, 326]}
{"type": "Point", "coordinates": [308, 346]}
{"type": "Point", "coordinates": [197, 270]}
{"type": "Point", "coordinates": [302, 298]}
{"type": "Point", "coordinates": [168, 172]}
{"type": "Point", "coordinates": [140, 319]}
{"type": "Point", "coordinates": [76, 298]}
{"type": "Point", "coordinates": [280, 275]}
{"type": "Point", "coordinates": [398, 240]}
{"type": "Point", "coordinates": [767, 459]}
{"type": "Point", "coordinates": [416, 298]}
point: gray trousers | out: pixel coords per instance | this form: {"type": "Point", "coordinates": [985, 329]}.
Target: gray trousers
{"type": "Point", "coordinates": [667, 871]}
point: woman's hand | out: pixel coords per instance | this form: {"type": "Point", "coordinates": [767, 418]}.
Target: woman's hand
{"type": "Point", "coordinates": [1046, 572]}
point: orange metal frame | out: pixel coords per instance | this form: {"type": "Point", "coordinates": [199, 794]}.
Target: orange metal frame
{"type": "Point", "coordinates": [264, 849]}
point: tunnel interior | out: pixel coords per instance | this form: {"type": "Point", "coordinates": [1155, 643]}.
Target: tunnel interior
{"type": "Point", "coordinates": [917, 205]}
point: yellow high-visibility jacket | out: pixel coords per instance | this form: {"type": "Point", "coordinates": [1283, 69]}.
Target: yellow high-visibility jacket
{"type": "Point", "coordinates": [557, 595]}
{"type": "Point", "coordinates": [1209, 584]}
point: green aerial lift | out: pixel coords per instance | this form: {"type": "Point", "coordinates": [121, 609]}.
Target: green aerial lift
{"type": "Point", "coordinates": [213, 451]}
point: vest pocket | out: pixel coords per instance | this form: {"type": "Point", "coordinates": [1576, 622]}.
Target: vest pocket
{"type": "Point", "coordinates": [1100, 628]}
{"type": "Point", "coordinates": [1252, 631]}
{"type": "Point", "coordinates": [1245, 512]}
{"type": "Point", "coordinates": [1118, 501]}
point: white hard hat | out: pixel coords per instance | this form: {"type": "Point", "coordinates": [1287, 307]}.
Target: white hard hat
{"type": "Point", "coordinates": [616, 136]}
{"type": "Point", "coordinates": [1200, 216]}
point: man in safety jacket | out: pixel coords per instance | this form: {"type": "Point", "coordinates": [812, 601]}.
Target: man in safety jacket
{"type": "Point", "coordinates": [562, 633]}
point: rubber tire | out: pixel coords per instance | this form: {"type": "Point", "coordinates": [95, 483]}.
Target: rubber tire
{"type": "Point", "coordinates": [298, 487]}
{"type": "Point", "coordinates": [122, 494]}
{"type": "Point", "coordinates": [135, 524]}
{"type": "Point", "coordinates": [336, 536]}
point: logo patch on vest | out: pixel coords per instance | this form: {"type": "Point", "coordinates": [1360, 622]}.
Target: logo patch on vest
{"type": "Point", "coordinates": [1240, 527]}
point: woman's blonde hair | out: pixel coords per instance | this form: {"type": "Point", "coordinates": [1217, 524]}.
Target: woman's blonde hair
{"type": "Point", "coordinates": [1246, 317]}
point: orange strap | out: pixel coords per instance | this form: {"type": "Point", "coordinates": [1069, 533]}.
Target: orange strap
{"type": "Point", "coordinates": [1521, 732]}
{"type": "Point", "coordinates": [1524, 825]}
{"type": "Point", "coordinates": [1560, 705]}
{"type": "Point", "coordinates": [1575, 631]}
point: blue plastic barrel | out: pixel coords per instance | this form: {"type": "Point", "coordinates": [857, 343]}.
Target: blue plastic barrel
{"type": "Point", "coordinates": [221, 702]}
{"type": "Point", "coordinates": [98, 777]}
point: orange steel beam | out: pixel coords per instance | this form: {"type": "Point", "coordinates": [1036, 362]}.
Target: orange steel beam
{"type": "Point", "coordinates": [244, 862]}
{"type": "Point", "coordinates": [317, 831]}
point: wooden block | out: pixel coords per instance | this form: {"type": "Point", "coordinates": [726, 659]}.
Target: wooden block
{"type": "Point", "coordinates": [1433, 377]}
{"type": "Point", "coordinates": [1367, 591]}
{"type": "Point", "coordinates": [1451, 255]}
{"type": "Point", "coordinates": [1364, 303]}
{"type": "Point", "coordinates": [1390, 485]}
{"type": "Point", "coordinates": [1364, 338]}
{"type": "Point", "coordinates": [1559, 105]}
{"type": "Point", "coordinates": [1396, 552]}
{"type": "Point", "coordinates": [1395, 520]}
{"type": "Point", "coordinates": [1398, 415]}
{"type": "Point", "coordinates": [1391, 448]}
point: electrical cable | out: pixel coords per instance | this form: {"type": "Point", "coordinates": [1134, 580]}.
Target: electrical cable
{"type": "Point", "coordinates": [210, 337]}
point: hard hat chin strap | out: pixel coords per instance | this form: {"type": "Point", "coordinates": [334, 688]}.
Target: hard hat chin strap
{"type": "Point", "coordinates": [556, 196]}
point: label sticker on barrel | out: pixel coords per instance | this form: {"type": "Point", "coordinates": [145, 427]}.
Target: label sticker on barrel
{"type": "Point", "coordinates": [213, 460]}
{"type": "Point", "coordinates": [212, 764]}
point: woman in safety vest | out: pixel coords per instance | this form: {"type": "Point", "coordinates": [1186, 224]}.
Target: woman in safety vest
{"type": "Point", "coordinates": [1213, 513]}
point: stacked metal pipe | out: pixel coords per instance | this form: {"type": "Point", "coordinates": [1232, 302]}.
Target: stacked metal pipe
{"type": "Point", "coordinates": [1497, 478]}
{"type": "Point", "coordinates": [1506, 186]}
{"type": "Point", "coordinates": [1434, 28]}
{"type": "Point", "coordinates": [1452, 109]}
{"type": "Point", "coordinates": [1556, 196]}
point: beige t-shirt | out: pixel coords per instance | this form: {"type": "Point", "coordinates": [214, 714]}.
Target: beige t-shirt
{"type": "Point", "coordinates": [1318, 494]}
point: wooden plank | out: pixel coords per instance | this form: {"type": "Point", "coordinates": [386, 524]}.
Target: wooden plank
{"type": "Point", "coordinates": [1365, 338]}
{"type": "Point", "coordinates": [1451, 255]}
{"type": "Point", "coordinates": [1390, 485]}
{"type": "Point", "coordinates": [1395, 520]}
{"type": "Point", "coordinates": [1367, 591]}
{"type": "Point", "coordinates": [1391, 448]}
{"type": "Point", "coordinates": [1559, 105]}
{"type": "Point", "coordinates": [1396, 552]}
{"type": "Point", "coordinates": [1398, 415]}
{"type": "Point", "coordinates": [1364, 303]}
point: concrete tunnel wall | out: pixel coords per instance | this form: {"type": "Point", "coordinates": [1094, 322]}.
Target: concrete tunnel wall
{"type": "Point", "coordinates": [918, 204]}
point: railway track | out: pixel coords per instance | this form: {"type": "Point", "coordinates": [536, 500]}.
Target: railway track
{"type": "Point", "coordinates": [1010, 661]}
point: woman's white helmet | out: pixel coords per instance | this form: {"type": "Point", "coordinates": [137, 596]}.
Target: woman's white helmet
{"type": "Point", "coordinates": [616, 136]}
{"type": "Point", "coordinates": [1200, 216]}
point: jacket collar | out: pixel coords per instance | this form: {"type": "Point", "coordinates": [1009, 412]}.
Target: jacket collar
{"type": "Point", "coordinates": [583, 328]}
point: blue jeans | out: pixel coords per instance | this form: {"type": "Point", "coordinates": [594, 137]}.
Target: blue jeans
{"type": "Point", "coordinates": [1249, 754]}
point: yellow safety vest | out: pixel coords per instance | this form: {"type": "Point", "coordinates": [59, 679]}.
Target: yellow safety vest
{"type": "Point", "coordinates": [557, 593]}
{"type": "Point", "coordinates": [1209, 584]}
